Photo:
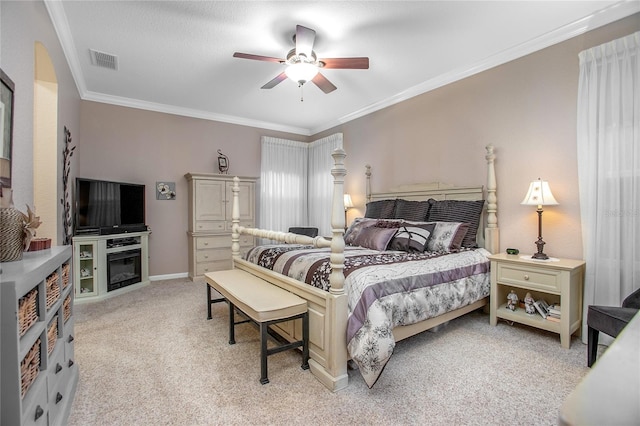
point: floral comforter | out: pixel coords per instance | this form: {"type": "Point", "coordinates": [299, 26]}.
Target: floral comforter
{"type": "Point", "coordinates": [385, 289]}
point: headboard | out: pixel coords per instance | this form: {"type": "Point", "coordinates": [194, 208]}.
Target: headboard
{"type": "Point", "coordinates": [487, 235]}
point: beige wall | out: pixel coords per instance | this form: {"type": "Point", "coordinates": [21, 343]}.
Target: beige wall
{"type": "Point", "coordinates": [22, 25]}
{"type": "Point", "coordinates": [132, 145]}
{"type": "Point", "coordinates": [526, 108]}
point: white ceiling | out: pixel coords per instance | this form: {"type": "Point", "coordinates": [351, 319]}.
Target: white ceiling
{"type": "Point", "coordinates": [176, 56]}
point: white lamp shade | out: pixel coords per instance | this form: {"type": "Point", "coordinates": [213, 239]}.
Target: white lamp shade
{"type": "Point", "coordinates": [301, 72]}
{"type": "Point", "coordinates": [347, 201]}
{"type": "Point", "coordinates": [539, 194]}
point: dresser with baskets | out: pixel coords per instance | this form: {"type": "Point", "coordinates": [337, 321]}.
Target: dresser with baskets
{"type": "Point", "coordinates": [39, 374]}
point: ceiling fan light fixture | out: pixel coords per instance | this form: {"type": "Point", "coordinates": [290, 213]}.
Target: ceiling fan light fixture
{"type": "Point", "coordinates": [301, 72]}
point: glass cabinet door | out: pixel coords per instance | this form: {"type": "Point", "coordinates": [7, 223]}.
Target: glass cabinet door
{"type": "Point", "coordinates": [86, 274]}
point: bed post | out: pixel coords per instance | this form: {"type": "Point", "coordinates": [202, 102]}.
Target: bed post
{"type": "Point", "coordinates": [491, 233]}
{"type": "Point", "coordinates": [337, 223]}
{"type": "Point", "coordinates": [335, 377]}
{"type": "Point", "coordinates": [235, 219]}
{"type": "Point", "coordinates": [368, 186]}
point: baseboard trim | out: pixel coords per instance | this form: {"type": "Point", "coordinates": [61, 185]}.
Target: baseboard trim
{"type": "Point", "coordinates": [168, 276]}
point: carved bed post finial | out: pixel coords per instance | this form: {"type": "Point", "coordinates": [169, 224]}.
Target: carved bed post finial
{"type": "Point", "coordinates": [337, 223]}
{"type": "Point", "coordinates": [235, 219]}
{"type": "Point", "coordinates": [368, 186]}
{"type": "Point", "coordinates": [492, 242]}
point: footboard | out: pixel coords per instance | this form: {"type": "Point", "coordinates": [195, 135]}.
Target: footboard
{"type": "Point", "coordinates": [327, 310]}
{"type": "Point", "coordinates": [327, 347]}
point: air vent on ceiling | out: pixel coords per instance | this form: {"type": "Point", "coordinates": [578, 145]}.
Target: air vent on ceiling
{"type": "Point", "coordinates": [104, 60]}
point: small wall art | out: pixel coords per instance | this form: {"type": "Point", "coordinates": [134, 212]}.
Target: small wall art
{"type": "Point", "coordinates": [165, 190]}
{"type": "Point", "coordinates": [223, 163]}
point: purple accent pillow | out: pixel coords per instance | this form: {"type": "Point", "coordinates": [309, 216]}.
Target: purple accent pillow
{"type": "Point", "coordinates": [388, 223]}
{"type": "Point", "coordinates": [375, 238]}
{"type": "Point", "coordinates": [356, 227]}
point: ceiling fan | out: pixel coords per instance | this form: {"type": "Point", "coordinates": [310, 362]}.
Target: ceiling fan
{"type": "Point", "coordinates": [303, 64]}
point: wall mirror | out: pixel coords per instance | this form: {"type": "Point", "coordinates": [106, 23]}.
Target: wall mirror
{"type": "Point", "coordinates": [6, 128]}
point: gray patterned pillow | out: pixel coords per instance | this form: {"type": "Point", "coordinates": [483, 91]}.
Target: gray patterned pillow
{"type": "Point", "coordinates": [458, 211]}
{"type": "Point", "coordinates": [447, 236]}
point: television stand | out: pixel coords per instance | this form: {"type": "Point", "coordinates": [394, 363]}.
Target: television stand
{"type": "Point", "coordinates": [107, 265]}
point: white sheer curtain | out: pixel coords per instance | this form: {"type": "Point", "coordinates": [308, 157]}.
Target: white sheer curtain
{"type": "Point", "coordinates": [283, 184]}
{"type": "Point", "coordinates": [320, 184]}
{"type": "Point", "coordinates": [609, 170]}
{"type": "Point", "coordinates": [296, 185]}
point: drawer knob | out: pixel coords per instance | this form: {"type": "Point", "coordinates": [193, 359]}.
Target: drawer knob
{"type": "Point", "coordinates": [70, 338]}
{"type": "Point", "coordinates": [39, 412]}
{"type": "Point", "coordinates": [58, 397]}
{"type": "Point", "coordinates": [58, 368]}
{"type": "Point", "coordinates": [206, 244]}
{"type": "Point", "coordinates": [526, 277]}
{"type": "Point", "coordinates": [71, 363]}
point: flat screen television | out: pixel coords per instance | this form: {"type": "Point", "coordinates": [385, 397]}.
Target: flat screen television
{"type": "Point", "coordinates": [105, 207]}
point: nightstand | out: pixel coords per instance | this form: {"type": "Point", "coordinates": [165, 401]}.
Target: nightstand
{"type": "Point", "coordinates": [557, 281]}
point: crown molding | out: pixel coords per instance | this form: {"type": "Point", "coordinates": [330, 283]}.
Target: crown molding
{"type": "Point", "coordinates": [61, 26]}
{"type": "Point", "coordinates": [193, 113]}
{"type": "Point", "coordinates": [603, 17]}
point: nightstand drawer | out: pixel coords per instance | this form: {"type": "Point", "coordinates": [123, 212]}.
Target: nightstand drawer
{"type": "Point", "coordinates": [529, 277]}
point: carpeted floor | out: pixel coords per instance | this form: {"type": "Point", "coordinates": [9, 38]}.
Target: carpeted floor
{"type": "Point", "coordinates": [150, 357]}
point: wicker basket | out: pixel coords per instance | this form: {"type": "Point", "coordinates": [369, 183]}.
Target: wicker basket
{"type": "Point", "coordinates": [52, 334]}
{"type": "Point", "coordinates": [66, 308]}
{"type": "Point", "coordinates": [11, 234]}
{"type": "Point", "coordinates": [53, 289]}
{"type": "Point", "coordinates": [30, 367]}
{"type": "Point", "coordinates": [66, 267]}
{"type": "Point", "coordinates": [28, 311]}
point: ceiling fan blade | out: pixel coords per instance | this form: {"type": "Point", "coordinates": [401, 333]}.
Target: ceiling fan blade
{"type": "Point", "coordinates": [257, 57]}
{"type": "Point", "coordinates": [325, 85]}
{"type": "Point", "coordinates": [305, 37]}
{"type": "Point", "coordinates": [346, 63]}
{"type": "Point", "coordinates": [273, 83]}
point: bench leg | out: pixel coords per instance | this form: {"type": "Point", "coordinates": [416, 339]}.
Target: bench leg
{"type": "Point", "coordinates": [305, 341]}
{"type": "Point", "coordinates": [208, 302]}
{"type": "Point", "coordinates": [232, 324]}
{"type": "Point", "coordinates": [263, 353]}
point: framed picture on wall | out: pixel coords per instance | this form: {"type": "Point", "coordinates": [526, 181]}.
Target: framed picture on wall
{"type": "Point", "coordinates": [6, 128]}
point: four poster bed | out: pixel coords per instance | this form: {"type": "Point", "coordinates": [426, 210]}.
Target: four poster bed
{"type": "Point", "coordinates": [404, 273]}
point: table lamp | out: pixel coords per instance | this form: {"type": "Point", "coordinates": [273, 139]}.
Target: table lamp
{"type": "Point", "coordinates": [347, 205]}
{"type": "Point", "coordinates": [539, 195]}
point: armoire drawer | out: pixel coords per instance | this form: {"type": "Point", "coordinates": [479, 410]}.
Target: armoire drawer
{"type": "Point", "coordinates": [218, 265]}
{"type": "Point", "coordinates": [212, 255]}
{"type": "Point", "coordinates": [212, 242]}
{"type": "Point", "coordinates": [202, 226]}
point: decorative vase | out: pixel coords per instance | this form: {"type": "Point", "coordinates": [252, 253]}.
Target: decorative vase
{"type": "Point", "coordinates": [11, 234]}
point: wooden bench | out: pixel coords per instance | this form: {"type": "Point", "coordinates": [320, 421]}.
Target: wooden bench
{"type": "Point", "coordinates": [265, 304]}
